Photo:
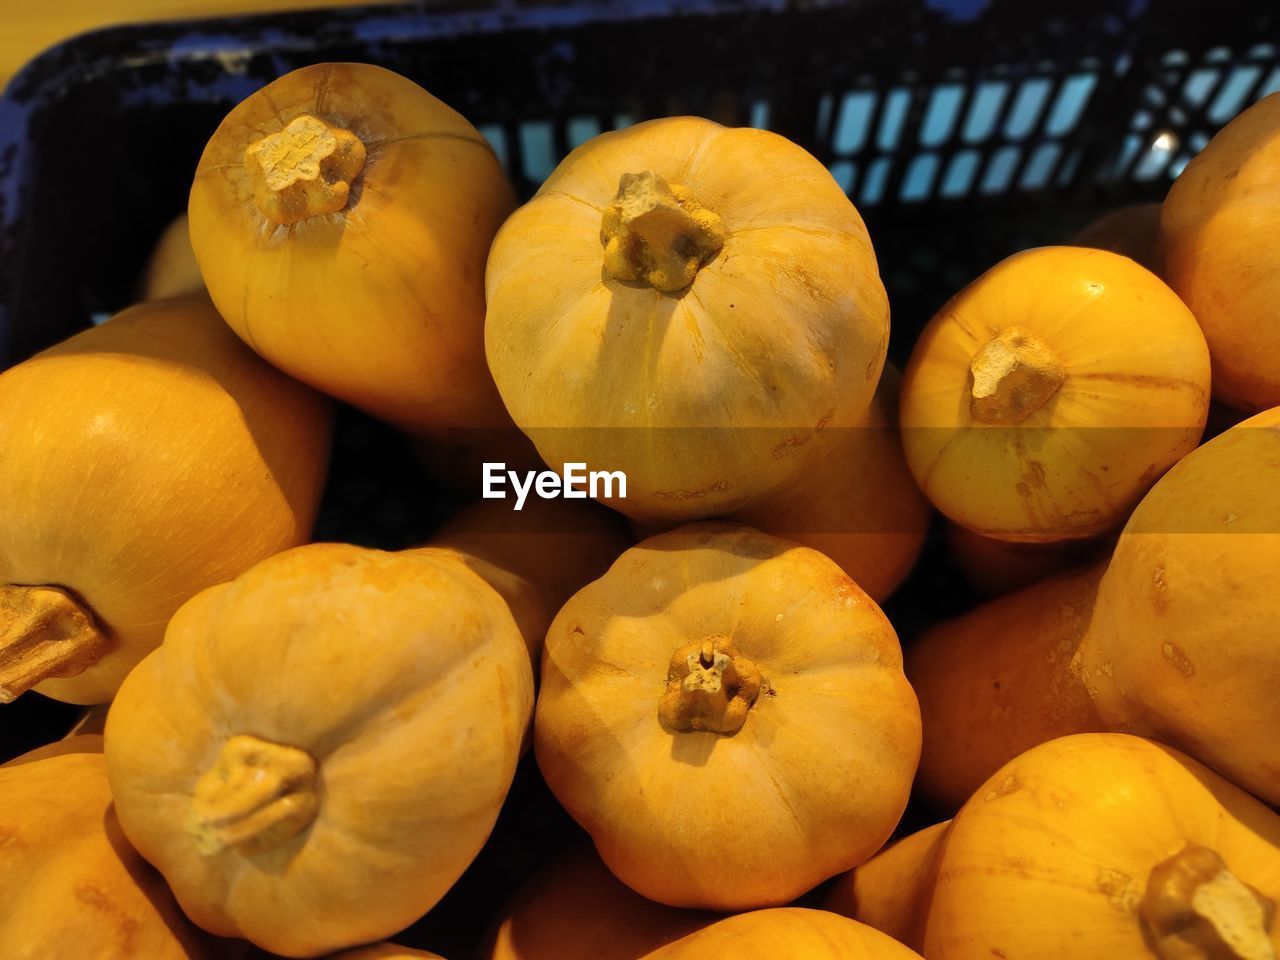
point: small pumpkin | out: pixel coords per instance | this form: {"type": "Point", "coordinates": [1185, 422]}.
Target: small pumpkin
{"type": "Point", "coordinates": [1182, 644]}
{"type": "Point", "coordinates": [341, 217]}
{"type": "Point", "coordinates": [859, 505]}
{"type": "Point", "coordinates": [575, 909]}
{"type": "Point", "coordinates": [692, 305]}
{"type": "Point", "coordinates": [999, 680]}
{"type": "Point", "coordinates": [725, 713]}
{"type": "Point", "coordinates": [172, 270]}
{"type": "Point", "coordinates": [1045, 398]}
{"type": "Point", "coordinates": [1107, 845]}
{"type": "Point", "coordinates": [786, 933]}
{"type": "Point", "coordinates": [141, 461]}
{"type": "Point", "coordinates": [892, 891]}
{"type": "Point", "coordinates": [70, 885]}
{"type": "Point", "coordinates": [1218, 228]}
{"type": "Point", "coordinates": [320, 747]}
{"type": "Point", "coordinates": [1132, 231]}
{"type": "Point", "coordinates": [996, 567]}
{"type": "Point", "coordinates": [537, 558]}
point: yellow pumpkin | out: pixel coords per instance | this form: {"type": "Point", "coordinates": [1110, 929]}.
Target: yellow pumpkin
{"type": "Point", "coordinates": [140, 461]}
{"type": "Point", "coordinates": [537, 558]}
{"type": "Point", "coordinates": [692, 305]}
{"type": "Point", "coordinates": [1049, 394]}
{"type": "Point", "coordinates": [786, 933]}
{"type": "Point", "coordinates": [859, 505]}
{"type": "Point", "coordinates": [1107, 845]}
{"type": "Point", "coordinates": [172, 270]}
{"type": "Point", "coordinates": [575, 909]}
{"type": "Point", "coordinates": [999, 680]}
{"type": "Point", "coordinates": [1182, 645]}
{"type": "Point", "coordinates": [892, 891]}
{"type": "Point", "coordinates": [1218, 228]}
{"type": "Point", "coordinates": [70, 885]}
{"type": "Point", "coordinates": [1132, 231]}
{"type": "Point", "coordinates": [341, 217]}
{"type": "Point", "coordinates": [320, 747]}
{"type": "Point", "coordinates": [995, 567]}
{"type": "Point", "coordinates": [725, 713]}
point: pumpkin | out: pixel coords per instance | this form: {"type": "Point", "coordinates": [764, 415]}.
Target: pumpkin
{"type": "Point", "coordinates": [575, 909]}
{"type": "Point", "coordinates": [320, 747]}
{"type": "Point", "coordinates": [1045, 398]}
{"type": "Point", "coordinates": [1107, 845]}
{"type": "Point", "coordinates": [1218, 228]}
{"type": "Point", "coordinates": [999, 680]}
{"type": "Point", "coordinates": [537, 558]}
{"type": "Point", "coordinates": [893, 889]}
{"type": "Point", "coordinates": [786, 933]}
{"type": "Point", "coordinates": [341, 217]}
{"type": "Point", "coordinates": [70, 885]}
{"type": "Point", "coordinates": [1132, 231]}
{"type": "Point", "coordinates": [696, 306]}
{"type": "Point", "coordinates": [859, 505]}
{"type": "Point", "coordinates": [1182, 644]}
{"type": "Point", "coordinates": [725, 713]}
{"type": "Point", "coordinates": [141, 461]}
{"type": "Point", "coordinates": [996, 567]}
{"type": "Point", "coordinates": [172, 270]}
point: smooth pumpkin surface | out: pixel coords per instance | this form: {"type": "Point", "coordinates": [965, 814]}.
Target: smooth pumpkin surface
{"type": "Point", "coordinates": [1218, 227]}
{"type": "Point", "coordinates": [341, 217]}
{"type": "Point", "coordinates": [1045, 398]}
{"type": "Point", "coordinates": [141, 461]}
{"type": "Point", "coordinates": [1132, 231]}
{"type": "Point", "coordinates": [1182, 646]}
{"type": "Point", "coordinates": [172, 270]}
{"type": "Point", "coordinates": [859, 505]}
{"type": "Point", "coordinates": [320, 747]}
{"type": "Point", "coordinates": [725, 713]}
{"type": "Point", "coordinates": [536, 558]}
{"type": "Point", "coordinates": [892, 891]}
{"type": "Point", "coordinates": [575, 909]}
{"type": "Point", "coordinates": [786, 933]}
{"type": "Point", "coordinates": [70, 884]}
{"type": "Point", "coordinates": [691, 304]}
{"type": "Point", "coordinates": [996, 567]}
{"type": "Point", "coordinates": [1107, 845]}
{"type": "Point", "coordinates": [999, 680]}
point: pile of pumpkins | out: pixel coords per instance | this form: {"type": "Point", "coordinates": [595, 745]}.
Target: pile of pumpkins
{"type": "Point", "coordinates": [308, 744]}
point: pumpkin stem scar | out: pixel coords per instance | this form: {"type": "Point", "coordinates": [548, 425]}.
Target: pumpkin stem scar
{"type": "Point", "coordinates": [1197, 909]}
{"type": "Point", "coordinates": [1012, 376]}
{"type": "Point", "coordinates": [257, 795]}
{"type": "Point", "coordinates": [303, 171]}
{"type": "Point", "coordinates": [655, 232]}
{"type": "Point", "coordinates": [710, 686]}
{"type": "Point", "coordinates": [44, 633]}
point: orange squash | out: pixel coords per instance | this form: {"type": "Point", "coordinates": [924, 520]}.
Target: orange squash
{"type": "Point", "coordinates": [996, 567]}
{"type": "Point", "coordinates": [341, 217]}
{"type": "Point", "coordinates": [725, 713]}
{"type": "Point", "coordinates": [70, 885]}
{"type": "Point", "coordinates": [859, 505]}
{"type": "Point", "coordinates": [320, 747]}
{"type": "Point", "coordinates": [140, 461]}
{"type": "Point", "coordinates": [1132, 231]}
{"type": "Point", "coordinates": [999, 680]}
{"type": "Point", "coordinates": [1049, 394]}
{"type": "Point", "coordinates": [1107, 845]}
{"type": "Point", "coordinates": [1182, 645]}
{"type": "Point", "coordinates": [692, 305]}
{"type": "Point", "coordinates": [172, 270]}
{"type": "Point", "coordinates": [786, 933]}
{"type": "Point", "coordinates": [1218, 228]}
{"type": "Point", "coordinates": [575, 909]}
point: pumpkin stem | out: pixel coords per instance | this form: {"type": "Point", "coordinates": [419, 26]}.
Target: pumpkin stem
{"type": "Point", "coordinates": [709, 687]}
{"type": "Point", "coordinates": [304, 170]}
{"type": "Point", "coordinates": [44, 633]}
{"type": "Point", "coordinates": [1197, 909]}
{"type": "Point", "coordinates": [1013, 375]}
{"type": "Point", "coordinates": [656, 233]}
{"type": "Point", "coordinates": [257, 795]}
